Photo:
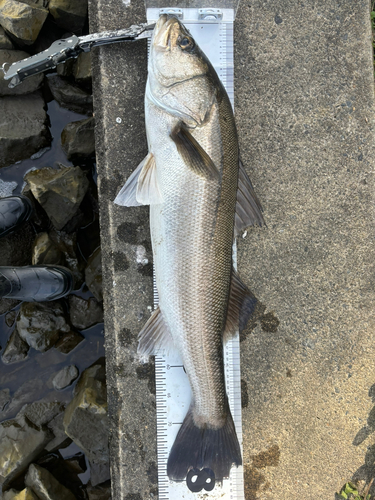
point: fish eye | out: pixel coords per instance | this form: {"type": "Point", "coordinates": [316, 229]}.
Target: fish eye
{"type": "Point", "coordinates": [186, 43]}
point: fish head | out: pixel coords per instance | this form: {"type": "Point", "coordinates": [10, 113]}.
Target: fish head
{"type": "Point", "coordinates": [180, 75]}
{"type": "Point", "coordinates": [175, 55]}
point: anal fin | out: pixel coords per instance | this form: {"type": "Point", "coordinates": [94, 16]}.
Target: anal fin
{"type": "Point", "coordinates": [241, 306]}
{"type": "Point", "coordinates": [248, 207]}
{"type": "Point", "coordinates": [154, 336]}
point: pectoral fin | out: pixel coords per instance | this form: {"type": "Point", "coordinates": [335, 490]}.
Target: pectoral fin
{"type": "Point", "coordinates": [154, 336]}
{"type": "Point", "coordinates": [142, 186]}
{"type": "Point", "coordinates": [241, 306]}
{"type": "Point", "coordinates": [248, 207]}
{"type": "Point", "coordinates": [194, 156]}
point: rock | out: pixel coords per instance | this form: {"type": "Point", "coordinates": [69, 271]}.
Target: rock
{"type": "Point", "coordinates": [39, 218]}
{"type": "Point", "coordinates": [59, 191]}
{"type": "Point", "coordinates": [29, 391]}
{"type": "Point", "coordinates": [85, 313]}
{"type": "Point", "coordinates": [10, 318]}
{"type": "Point", "coordinates": [45, 485]}
{"type": "Point", "coordinates": [22, 20]}
{"type": "Point", "coordinates": [4, 398]}
{"type": "Point", "coordinates": [16, 349]}
{"type": "Point", "coordinates": [26, 494]}
{"type": "Point", "coordinates": [70, 96]}
{"type": "Point", "coordinates": [30, 442]}
{"type": "Point", "coordinates": [42, 324]}
{"type": "Point", "coordinates": [16, 248]}
{"type": "Point", "coordinates": [86, 420]}
{"type": "Point", "coordinates": [65, 377]}
{"type": "Point", "coordinates": [69, 14]}
{"type": "Point", "coordinates": [69, 341]}
{"type": "Point", "coordinates": [7, 304]}
{"type": "Point", "coordinates": [28, 85]}
{"type": "Point", "coordinates": [82, 68]}
{"type": "Point", "coordinates": [5, 42]}
{"type": "Point", "coordinates": [77, 139]}
{"type": "Point", "coordinates": [23, 128]}
{"type": "Point", "coordinates": [61, 440]}
{"type": "Point", "coordinates": [68, 245]}
{"type": "Point", "coordinates": [43, 411]}
{"type": "Point", "coordinates": [99, 492]}
{"type": "Point", "coordinates": [93, 274]}
{"type": "Point", "coordinates": [45, 251]}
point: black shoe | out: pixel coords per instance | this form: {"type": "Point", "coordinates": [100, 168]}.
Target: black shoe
{"type": "Point", "coordinates": [35, 283]}
{"type": "Point", "coordinates": [14, 211]}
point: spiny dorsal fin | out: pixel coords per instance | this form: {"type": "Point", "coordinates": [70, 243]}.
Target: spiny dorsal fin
{"type": "Point", "coordinates": [248, 207]}
{"type": "Point", "coordinates": [194, 156]}
{"type": "Point", "coordinates": [142, 186]}
{"type": "Point", "coordinates": [241, 306]}
{"type": "Point", "coordinates": [154, 336]}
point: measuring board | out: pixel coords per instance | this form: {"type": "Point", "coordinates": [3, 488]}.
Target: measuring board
{"type": "Point", "coordinates": [173, 393]}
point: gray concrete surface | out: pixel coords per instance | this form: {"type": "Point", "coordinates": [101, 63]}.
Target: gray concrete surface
{"type": "Point", "coordinates": [305, 113]}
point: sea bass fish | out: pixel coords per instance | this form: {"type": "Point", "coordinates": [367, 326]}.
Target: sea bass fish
{"type": "Point", "coordinates": [200, 198]}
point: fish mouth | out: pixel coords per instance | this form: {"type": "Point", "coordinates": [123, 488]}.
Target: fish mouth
{"type": "Point", "coordinates": [163, 31]}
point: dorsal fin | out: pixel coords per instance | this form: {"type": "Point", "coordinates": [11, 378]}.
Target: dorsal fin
{"type": "Point", "coordinates": [241, 306]}
{"type": "Point", "coordinates": [142, 186]}
{"type": "Point", "coordinates": [248, 207]}
{"type": "Point", "coordinates": [154, 336]}
{"type": "Point", "coordinates": [194, 156]}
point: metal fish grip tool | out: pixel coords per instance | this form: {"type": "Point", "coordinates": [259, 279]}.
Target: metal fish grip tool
{"type": "Point", "coordinates": [212, 28]}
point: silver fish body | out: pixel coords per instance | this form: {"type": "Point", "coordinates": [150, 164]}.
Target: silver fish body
{"type": "Point", "coordinates": [191, 179]}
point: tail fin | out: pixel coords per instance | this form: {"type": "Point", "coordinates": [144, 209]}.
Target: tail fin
{"type": "Point", "coordinates": [196, 447]}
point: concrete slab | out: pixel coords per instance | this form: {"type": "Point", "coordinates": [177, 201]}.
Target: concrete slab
{"type": "Point", "coordinates": [305, 114]}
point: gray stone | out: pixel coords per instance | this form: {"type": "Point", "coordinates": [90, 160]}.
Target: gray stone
{"type": "Point", "coordinates": [28, 85]}
{"type": "Point", "coordinates": [65, 377]}
{"type": "Point", "coordinates": [30, 440]}
{"type": "Point", "coordinates": [93, 274]}
{"type": "Point", "coordinates": [86, 420]}
{"type": "Point", "coordinates": [28, 391]}
{"type": "Point", "coordinates": [69, 14]}
{"type": "Point", "coordinates": [5, 42]}
{"type": "Point", "coordinates": [67, 244]}
{"type": "Point", "coordinates": [42, 324]}
{"type": "Point", "coordinates": [7, 304]}
{"type": "Point", "coordinates": [69, 342]}
{"type": "Point", "coordinates": [85, 313]}
{"type": "Point", "coordinates": [61, 440]}
{"type": "Point", "coordinates": [23, 128]}
{"type": "Point", "coordinates": [45, 251]}
{"type": "Point", "coordinates": [70, 96]}
{"type": "Point", "coordinates": [59, 191]}
{"type": "Point", "coordinates": [16, 349]}
{"type": "Point", "coordinates": [77, 139]}
{"type": "Point", "coordinates": [66, 68]}
{"type": "Point", "coordinates": [45, 485]}
{"type": "Point", "coordinates": [43, 411]}
{"type": "Point", "coordinates": [82, 68]}
{"type": "Point", "coordinates": [22, 20]}
{"type": "Point", "coordinates": [99, 492]}
{"type": "Point", "coordinates": [10, 318]}
{"type": "Point", "coordinates": [4, 398]}
{"type": "Point", "coordinates": [26, 494]}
